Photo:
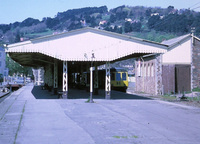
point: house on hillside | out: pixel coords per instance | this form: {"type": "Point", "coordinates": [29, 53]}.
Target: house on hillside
{"type": "Point", "coordinates": [176, 71]}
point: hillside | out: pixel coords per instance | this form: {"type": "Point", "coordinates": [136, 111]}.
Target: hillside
{"type": "Point", "coordinates": [155, 24]}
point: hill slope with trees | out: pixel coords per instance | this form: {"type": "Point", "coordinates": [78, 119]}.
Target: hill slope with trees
{"type": "Point", "coordinates": [154, 24]}
{"type": "Point", "coordinates": [151, 23]}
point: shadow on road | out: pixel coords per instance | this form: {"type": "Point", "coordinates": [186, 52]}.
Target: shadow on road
{"type": "Point", "coordinates": [82, 94]}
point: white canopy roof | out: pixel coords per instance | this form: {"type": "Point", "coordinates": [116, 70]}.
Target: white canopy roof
{"type": "Point", "coordinates": [78, 45]}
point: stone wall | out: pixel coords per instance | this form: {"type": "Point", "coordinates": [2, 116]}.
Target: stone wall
{"type": "Point", "coordinates": [196, 64]}
{"type": "Point", "coordinates": [158, 75]}
{"type": "Point", "coordinates": [148, 75]}
{"type": "Point", "coordinates": [145, 75]}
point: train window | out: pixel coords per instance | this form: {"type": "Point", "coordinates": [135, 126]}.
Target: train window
{"type": "Point", "coordinates": [123, 76]}
{"type": "Point", "coordinates": [112, 76]}
{"type": "Point", "coordinates": [118, 77]}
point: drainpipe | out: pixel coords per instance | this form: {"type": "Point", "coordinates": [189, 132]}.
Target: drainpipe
{"type": "Point", "coordinates": [192, 31]}
{"type": "Point", "coordinates": [192, 48]}
{"type": "Point", "coordinates": [143, 71]}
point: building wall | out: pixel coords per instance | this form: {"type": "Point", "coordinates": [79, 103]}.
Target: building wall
{"type": "Point", "coordinates": [148, 75]}
{"type": "Point", "coordinates": [179, 54]}
{"type": "Point", "coordinates": [3, 69]}
{"type": "Point", "coordinates": [176, 78]}
{"type": "Point", "coordinates": [38, 76]}
{"type": "Point", "coordinates": [196, 64]}
{"type": "Point", "coordinates": [168, 79]}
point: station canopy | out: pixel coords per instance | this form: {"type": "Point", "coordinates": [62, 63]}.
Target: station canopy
{"type": "Point", "coordinates": [82, 45]}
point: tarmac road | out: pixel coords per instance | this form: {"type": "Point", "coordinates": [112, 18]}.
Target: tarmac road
{"type": "Point", "coordinates": [25, 119]}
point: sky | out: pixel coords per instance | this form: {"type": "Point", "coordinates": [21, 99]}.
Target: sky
{"type": "Point", "coordinates": [18, 10]}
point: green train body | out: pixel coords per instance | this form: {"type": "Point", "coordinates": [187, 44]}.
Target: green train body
{"type": "Point", "coordinates": [119, 79]}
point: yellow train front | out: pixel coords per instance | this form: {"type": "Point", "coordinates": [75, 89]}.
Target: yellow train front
{"type": "Point", "coordinates": [119, 79]}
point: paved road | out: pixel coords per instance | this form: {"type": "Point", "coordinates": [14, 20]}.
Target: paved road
{"type": "Point", "coordinates": [25, 119]}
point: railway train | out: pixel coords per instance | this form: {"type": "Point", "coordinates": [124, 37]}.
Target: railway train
{"type": "Point", "coordinates": [119, 79]}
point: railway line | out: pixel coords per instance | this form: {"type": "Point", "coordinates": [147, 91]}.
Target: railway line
{"type": "Point", "coordinates": [2, 98]}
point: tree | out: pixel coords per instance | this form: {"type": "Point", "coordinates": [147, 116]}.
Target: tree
{"type": "Point", "coordinates": [17, 38]}
{"type": "Point", "coordinates": [152, 21]}
{"type": "Point", "coordinates": [112, 18]}
{"type": "Point", "coordinates": [51, 22]}
{"type": "Point", "coordinates": [93, 22]}
{"type": "Point", "coordinates": [170, 8]}
{"type": "Point", "coordinates": [127, 27]}
{"type": "Point", "coordinates": [136, 26]}
{"type": "Point", "coordinates": [119, 30]}
{"type": "Point", "coordinates": [148, 12]}
{"type": "Point", "coordinates": [29, 22]}
{"type": "Point", "coordinates": [17, 69]}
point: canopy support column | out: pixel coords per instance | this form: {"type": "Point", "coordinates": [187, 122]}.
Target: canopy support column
{"type": "Point", "coordinates": [87, 78]}
{"type": "Point", "coordinates": [65, 80]}
{"type": "Point", "coordinates": [82, 77]}
{"type": "Point", "coordinates": [45, 76]}
{"type": "Point", "coordinates": [107, 81]}
{"type": "Point", "coordinates": [55, 76]}
{"type": "Point", "coordinates": [96, 81]}
{"type": "Point", "coordinates": [50, 76]}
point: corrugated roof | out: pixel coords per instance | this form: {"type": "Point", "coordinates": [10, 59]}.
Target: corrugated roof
{"type": "Point", "coordinates": [78, 45]}
{"type": "Point", "coordinates": [176, 40]}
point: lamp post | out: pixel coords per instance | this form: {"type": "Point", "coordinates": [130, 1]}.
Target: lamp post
{"type": "Point", "coordinates": [91, 78]}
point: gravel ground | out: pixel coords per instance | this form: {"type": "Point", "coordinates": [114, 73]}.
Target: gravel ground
{"type": "Point", "coordinates": [168, 98]}
{"type": "Point", "coordinates": [172, 99]}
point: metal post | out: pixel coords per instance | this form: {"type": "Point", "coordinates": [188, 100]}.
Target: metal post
{"type": "Point", "coordinates": [55, 76]}
{"type": "Point", "coordinates": [65, 80]}
{"type": "Point", "coordinates": [91, 78]}
{"type": "Point", "coordinates": [91, 84]}
{"type": "Point", "coordinates": [108, 84]}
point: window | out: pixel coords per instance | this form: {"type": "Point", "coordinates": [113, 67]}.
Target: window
{"type": "Point", "coordinates": [112, 76]}
{"type": "Point", "coordinates": [118, 77]}
{"type": "Point", "coordinates": [138, 70]}
{"type": "Point", "coordinates": [141, 70]}
{"type": "Point", "coordinates": [124, 76]}
{"type": "Point", "coordinates": [145, 70]}
{"type": "Point", "coordinates": [152, 70]}
{"type": "Point", "coordinates": [148, 70]}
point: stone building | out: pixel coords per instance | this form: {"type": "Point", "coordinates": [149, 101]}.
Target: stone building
{"type": "Point", "coordinates": [175, 71]}
{"type": "Point", "coordinates": [196, 63]}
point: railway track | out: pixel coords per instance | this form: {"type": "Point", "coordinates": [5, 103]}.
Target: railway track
{"type": "Point", "coordinates": [4, 97]}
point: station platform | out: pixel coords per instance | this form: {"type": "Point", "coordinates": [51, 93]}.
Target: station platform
{"type": "Point", "coordinates": [32, 115]}
{"type": "Point", "coordinates": [74, 93]}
